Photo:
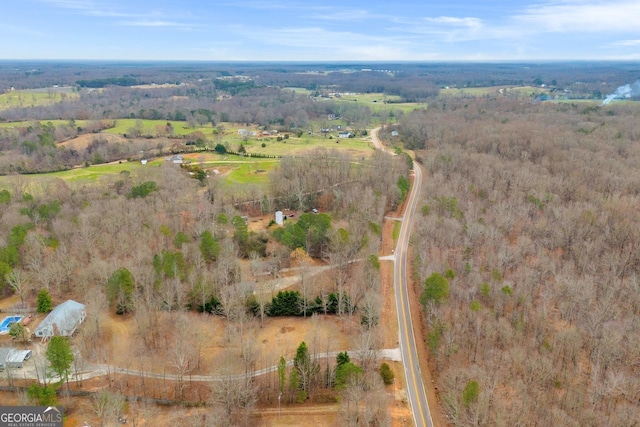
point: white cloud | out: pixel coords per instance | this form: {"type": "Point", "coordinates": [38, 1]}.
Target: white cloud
{"type": "Point", "coordinates": [261, 4]}
{"type": "Point", "coordinates": [571, 18]}
{"type": "Point", "coordinates": [451, 29]}
{"type": "Point", "coordinates": [157, 23]}
{"type": "Point", "coordinates": [130, 19]}
{"type": "Point", "coordinates": [309, 43]}
{"type": "Point", "coordinates": [303, 36]}
{"type": "Point", "coordinates": [346, 15]}
{"type": "Point", "coordinates": [453, 21]}
{"type": "Point", "coordinates": [626, 43]}
{"type": "Point", "coordinates": [583, 16]}
{"type": "Point", "coordinates": [71, 4]}
{"type": "Point", "coordinates": [89, 8]}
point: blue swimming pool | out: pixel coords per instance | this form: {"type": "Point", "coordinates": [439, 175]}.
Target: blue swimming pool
{"type": "Point", "coordinates": [7, 322]}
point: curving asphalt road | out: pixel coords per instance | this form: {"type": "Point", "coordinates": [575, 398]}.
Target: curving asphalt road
{"type": "Point", "coordinates": [415, 386]}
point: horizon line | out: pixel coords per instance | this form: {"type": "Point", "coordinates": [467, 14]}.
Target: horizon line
{"type": "Point", "coordinates": [322, 61]}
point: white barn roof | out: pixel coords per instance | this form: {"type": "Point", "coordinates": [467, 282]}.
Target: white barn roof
{"type": "Point", "coordinates": [63, 320]}
{"type": "Point", "coordinates": [12, 358]}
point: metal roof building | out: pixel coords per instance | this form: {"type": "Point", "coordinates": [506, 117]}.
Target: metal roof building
{"type": "Point", "coordinates": [12, 358]}
{"type": "Point", "coordinates": [63, 320]}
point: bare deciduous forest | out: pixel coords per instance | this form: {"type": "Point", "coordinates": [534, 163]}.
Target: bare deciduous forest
{"type": "Point", "coordinates": [531, 211]}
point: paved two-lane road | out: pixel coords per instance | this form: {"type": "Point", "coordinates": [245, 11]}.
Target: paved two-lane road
{"type": "Point", "coordinates": [415, 386]}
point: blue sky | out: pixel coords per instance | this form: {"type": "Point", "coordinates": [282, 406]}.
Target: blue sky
{"type": "Point", "coordinates": [329, 30]}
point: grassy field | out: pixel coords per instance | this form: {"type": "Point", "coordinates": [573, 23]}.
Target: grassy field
{"type": "Point", "coordinates": [405, 107]}
{"type": "Point", "coordinates": [476, 92]}
{"type": "Point", "coordinates": [11, 125]}
{"type": "Point", "coordinates": [92, 173]}
{"type": "Point", "coordinates": [233, 170]}
{"type": "Point", "coordinates": [149, 127]}
{"type": "Point", "coordinates": [254, 173]}
{"type": "Point", "coordinates": [88, 174]}
{"type": "Point", "coordinates": [252, 144]}
{"type": "Point", "coordinates": [379, 103]}
{"type": "Point", "coordinates": [294, 145]}
{"type": "Point", "coordinates": [369, 98]}
{"type": "Point", "coordinates": [23, 99]}
{"type": "Point", "coordinates": [300, 90]}
{"type": "Point", "coordinates": [123, 125]}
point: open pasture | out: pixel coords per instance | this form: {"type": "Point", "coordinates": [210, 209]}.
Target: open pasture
{"type": "Point", "coordinates": [480, 92]}
{"type": "Point", "coordinates": [27, 123]}
{"type": "Point", "coordinates": [34, 98]}
{"type": "Point", "coordinates": [156, 127]}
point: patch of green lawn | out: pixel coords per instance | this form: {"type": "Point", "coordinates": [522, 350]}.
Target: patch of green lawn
{"type": "Point", "coordinates": [300, 90]}
{"type": "Point", "coordinates": [152, 127]}
{"type": "Point", "coordinates": [508, 91]}
{"type": "Point", "coordinates": [94, 172]}
{"type": "Point", "coordinates": [24, 99]}
{"type": "Point", "coordinates": [89, 174]}
{"type": "Point", "coordinates": [26, 123]}
{"type": "Point", "coordinates": [369, 98]}
{"type": "Point", "coordinates": [383, 107]}
{"type": "Point", "coordinates": [396, 231]}
{"type": "Point", "coordinates": [256, 173]}
{"type": "Point", "coordinates": [294, 145]}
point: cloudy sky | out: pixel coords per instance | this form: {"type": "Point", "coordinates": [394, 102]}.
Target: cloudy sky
{"type": "Point", "coordinates": [329, 30]}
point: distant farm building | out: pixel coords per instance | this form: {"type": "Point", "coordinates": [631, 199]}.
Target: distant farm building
{"type": "Point", "coordinates": [63, 320]}
{"type": "Point", "coordinates": [345, 135]}
{"type": "Point", "coordinates": [12, 358]}
{"type": "Point", "coordinates": [175, 159]}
